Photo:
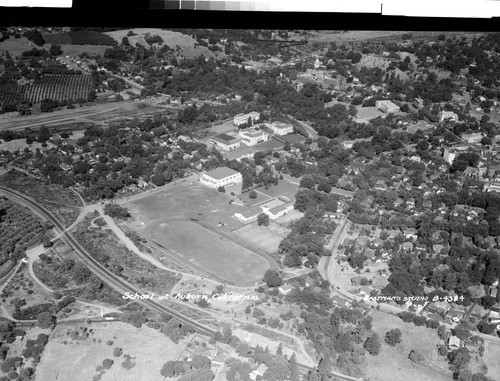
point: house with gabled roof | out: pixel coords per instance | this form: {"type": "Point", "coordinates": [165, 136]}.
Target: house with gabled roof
{"type": "Point", "coordinates": [258, 372]}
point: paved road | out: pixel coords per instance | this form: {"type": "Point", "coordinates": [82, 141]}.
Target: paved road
{"type": "Point", "coordinates": [106, 276]}
{"type": "Point", "coordinates": [57, 117]}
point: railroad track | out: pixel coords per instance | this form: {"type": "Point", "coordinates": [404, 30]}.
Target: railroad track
{"type": "Point", "coordinates": [118, 284]}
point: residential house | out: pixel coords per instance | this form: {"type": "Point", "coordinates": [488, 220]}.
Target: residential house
{"type": "Point", "coordinates": [386, 106]}
{"type": "Point", "coordinates": [455, 315]}
{"type": "Point", "coordinates": [258, 372]}
{"type": "Point", "coordinates": [472, 138]}
{"type": "Point", "coordinates": [285, 289]}
{"type": "Point", "coordinates": [453, 342]}
{"type": "Point", "coordinates": [471, 172]}
{"type": "Point", "coordinates": [443, 115]}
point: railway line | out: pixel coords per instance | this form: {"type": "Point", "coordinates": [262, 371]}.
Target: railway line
{"type": "Point", "coordinates": [119, 284]}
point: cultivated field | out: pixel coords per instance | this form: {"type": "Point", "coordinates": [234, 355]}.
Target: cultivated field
{"type": "Point", "coordinates": [219, 255]}
{"type": "Point", "coordinates": [147, 349]}
{"type": "Point", "coordinates": [392, 364]}
{"type": "Point", "coordinates": [261, 236]}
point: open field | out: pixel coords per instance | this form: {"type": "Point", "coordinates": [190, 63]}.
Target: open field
{"type": "Point", "coordinates": [366, 113]}
{"type": "Point", "coordinates": [170, 38]}
{"type": "Point", "coordinates": [491, 355]}
{"type": "Point", "coordinates": [392, 364]}
{"type": "Point", "coordinates": [148, 350]}
{"type": "Point", "coordinates": [76, 50]}
{"type": "Point", "coordinates": [189, 200]}
{"type": "Point", "coordinates": [260, 236]}
{"type": "Point", "coordinates": [20, 144]}
{"type": "Point", "coordinates": [17, 46]}
{"type": "Point", "coordinates": [284, 188]}
{"type": "Point", "coordinates": [219, 255]}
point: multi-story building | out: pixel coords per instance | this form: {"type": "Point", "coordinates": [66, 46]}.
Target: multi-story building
{"type": "Point", "coordinates": [225, 142]}
{"type": "Point", "coordinates": [253, 137]}
{"type": "Point", "coordinates": [280, 128]}
{"type": "Point", "coordinates": [443, 115]}
{"type": "Point", "coordinates": [241, 119]}
{"type": "Point", "coordinates": [386, 106]}
{"type": "Point", "coordinates": [220, 177]}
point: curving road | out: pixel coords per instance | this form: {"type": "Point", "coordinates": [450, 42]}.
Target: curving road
{"type": "Point", "coordinates": [116, 282]}
{"type": "Point", "coordinates": [100, 271]}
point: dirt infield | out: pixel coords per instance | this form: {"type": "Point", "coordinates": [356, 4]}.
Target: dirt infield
{"type": "Point", "coordinates": [260, 236]}
{"type": "Point", "coordinates": [217, 254]}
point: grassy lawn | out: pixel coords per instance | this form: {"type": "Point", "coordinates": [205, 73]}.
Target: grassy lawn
{"type": "Point", "coordinates": [148, 350]}
{"type": "Point", "coordinates": [260, 199]}
{"type": "Point", "coordinates": [284, 188]}
{"type": "Point", "coordinates": [392, 364]}
{"type": "Point", "coordinates": [190, 200]}
{"type": "Point", "coordinates": [218, 254]}
{"type": "Point", "coordinates": [491, 355]}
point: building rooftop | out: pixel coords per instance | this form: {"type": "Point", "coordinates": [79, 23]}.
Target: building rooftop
{"type": "Point", "coordinates": [224, 138]}
{"type": "Point", "coordinates": [252, 212]}
{"type": "Point", "coordinates": [221, 173]}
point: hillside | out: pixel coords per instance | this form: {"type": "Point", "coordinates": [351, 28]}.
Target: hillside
{"type": "Point", "coordinates": [170, 38]}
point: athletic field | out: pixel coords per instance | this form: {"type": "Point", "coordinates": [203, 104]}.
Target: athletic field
{"type": "Point", "coordinates": [260, 236]}
{"type": "Point", "coordinates": [210, 251]}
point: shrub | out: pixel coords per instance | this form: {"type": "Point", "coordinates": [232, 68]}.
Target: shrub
{"type": "Point", "coordinates": [117, 352]}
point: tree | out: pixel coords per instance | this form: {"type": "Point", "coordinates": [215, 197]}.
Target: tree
{"type": "Point", "coordinates": [221, 189]}
{"type": "Point", "coordinates": [116, 211]}
{"type": "Point", "coordinates": [393, 337]}
{"type": "Point", "coordinates": [252, 194]}
{"type": "Point", "coordinates": [294, 369]}
{"type": "Point", "coordinates": [55, 50]}
{"type": "Point", "coordinates": [459, 358]}
{"type": "Point", "coordinates": [416, 356]}
{"type": "Point", "coordinates": [307, 181]}
{"type": "Point", "coordinates": [263, 219]}
{"type": "Point", "coordinates": [107, 363]}
{"type": "Point", "coordinates": [272, 278]}
{"type": "Point", "coordinates": [373, 344]}
{"type": "Point", "coordinates": [45, 320]}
